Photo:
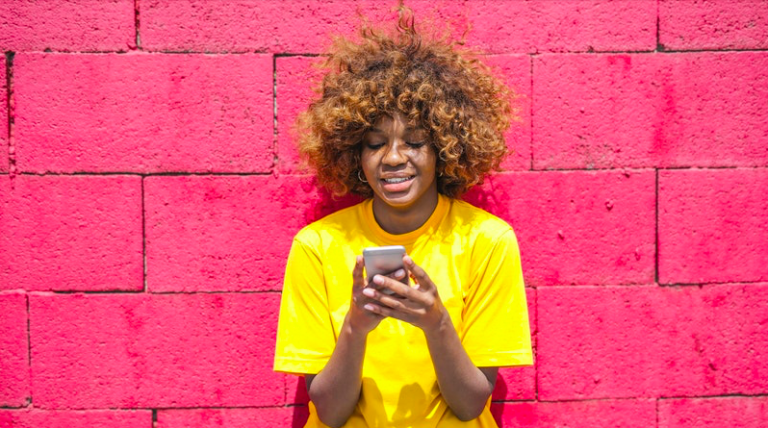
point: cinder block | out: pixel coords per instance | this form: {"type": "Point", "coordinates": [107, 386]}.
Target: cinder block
{"type": "Point", "coordinates": [71, 233]}
{"type": "Point", "coordinates": [226, 233]}
{"type": "Point", "coordinates": [515, 70]}
{"type": "Point", "coordinates": [143, 113]}
{"type": "Point", "coordinates": [547, 26]}
{"type": "Point", "coordinates": [67, 25]}
{"type": "Point", "coordinates": [714, 340]}
{"type": "Point", "coordinates": [742, 412]}
{"type": "Point", "coordinates": [75, 419]}
{"type": "Point", "coordinates": [578, 414]}
{"type": "Point", "coordinates": [296, 76]}
{"type": "Point", "coordinates": [14, 351]}
{"type": "Point", "coordinates": [713, 225]}
{"type": "Point", "coordinates": [519, 383]}
{"type": "Point", "coordinates": [712, 24]}
{"type": "Point", "coordinates": [304, 26]}
{"type": "Point", "coordinates": [230, 418]}
{"type": "Point", "coordinates": [154, 350]}
{"type": "Point", "coordinates": [631, 110]}
{"type": "Point", "coordinates": [578, 227]}
{"type": "Point", "coordinates": [295, 79]}
{"type": "Point", "coordinates": [301, 26]}
{"type": "Point", "coordinates": [600, 342]}
{"type": "Point", "coordinates": [614, 342]}
{"type": "Point", "coordinates": [4, 154]}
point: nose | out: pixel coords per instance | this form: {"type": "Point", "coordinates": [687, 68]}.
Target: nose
{"type": "Point", "coordinates": [395, 154]}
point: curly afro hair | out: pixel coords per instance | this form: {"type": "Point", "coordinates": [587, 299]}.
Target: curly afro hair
{"type": "Point", "coordinates": [437, 85]}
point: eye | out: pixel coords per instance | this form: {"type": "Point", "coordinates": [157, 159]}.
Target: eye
{"type": "Point", "coordinates": [415, 144]}
{"type": "Point", "coordinates": [374, 145]}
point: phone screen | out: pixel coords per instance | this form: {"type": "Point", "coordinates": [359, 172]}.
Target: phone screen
{"type": "Point", "coordinates": [383, 261]}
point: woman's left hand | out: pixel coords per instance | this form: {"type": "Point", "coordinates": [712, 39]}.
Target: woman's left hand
{"type": "Point", "coordinates": [465, 387]}
{"type": "Point", "coordinates": [419, 305]}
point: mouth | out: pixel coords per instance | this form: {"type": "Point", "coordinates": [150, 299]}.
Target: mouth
{"type": "Point", "coordinates": [396, 180]}
{"type": "Point", "coordinates": [397, 184]}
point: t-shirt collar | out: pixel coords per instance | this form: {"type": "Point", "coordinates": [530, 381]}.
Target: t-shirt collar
{"type": "Point", "coordinates": [434, 220]}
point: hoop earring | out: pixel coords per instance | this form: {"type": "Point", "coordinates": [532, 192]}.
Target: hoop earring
{"type": "Point", "coordinates": [360, 177]}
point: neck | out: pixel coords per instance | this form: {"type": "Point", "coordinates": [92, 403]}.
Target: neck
{"type": "Point", "coordinates": [400, 220]}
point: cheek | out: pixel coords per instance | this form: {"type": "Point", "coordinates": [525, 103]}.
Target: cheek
{"type": "Point", "coordinates": [367, 160]}
{"type": "Point", "coordinates": [428, 161]}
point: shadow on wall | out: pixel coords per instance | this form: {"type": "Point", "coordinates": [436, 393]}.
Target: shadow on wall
{"type": "Point", "coordinates": [497, 408]}
{"type": "Point", "coordinates": [300, 400]}
{"type": "Point", "coordinates": [488, 196]}
{"type": "Point", "coordinates": [325, 203]}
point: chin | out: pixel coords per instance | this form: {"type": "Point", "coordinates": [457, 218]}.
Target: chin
{"type": "Point", "coordinates": [398, 202]}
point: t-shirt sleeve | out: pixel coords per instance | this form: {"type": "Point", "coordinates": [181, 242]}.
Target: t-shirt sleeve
{"type": "Point", "coordinates": [305, 337]}
{"type": "Point", "coordinates": [495, 329]}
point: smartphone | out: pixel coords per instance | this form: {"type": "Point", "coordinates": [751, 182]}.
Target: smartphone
{"type": "Point", "coordinates": [383, 261]}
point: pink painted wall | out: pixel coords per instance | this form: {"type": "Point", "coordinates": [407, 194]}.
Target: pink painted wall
{"type": "Point", "coordinates": [149, 191]}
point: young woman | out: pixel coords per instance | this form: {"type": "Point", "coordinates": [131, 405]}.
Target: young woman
{"type": "Point", "coordinates": [410, 124]}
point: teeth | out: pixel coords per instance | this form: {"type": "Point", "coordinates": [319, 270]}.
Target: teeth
{"type": "Point", "coordinates": [396, 180]}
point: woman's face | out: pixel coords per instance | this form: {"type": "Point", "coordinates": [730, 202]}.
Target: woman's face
{"type": "Point", "coordinates": [399, 163]}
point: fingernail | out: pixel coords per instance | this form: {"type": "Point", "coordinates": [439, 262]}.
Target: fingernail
{"type": "Point", "coordinates": [368, 307]}
{"type": "Point", "coordinates": [369, 292]}
{"type": "Point", "coordinates": [399, 273]}
{"type": "Point", "coordinates": [378, 279]}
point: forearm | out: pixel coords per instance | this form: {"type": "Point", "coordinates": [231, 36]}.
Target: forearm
{"type": "Point", "coordinates": [464, 387]}
{"type": "Point", "coordinates": [335, 391]}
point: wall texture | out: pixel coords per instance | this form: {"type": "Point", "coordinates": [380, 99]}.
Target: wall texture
{"type": "Point", "coordinates": [149, 192]}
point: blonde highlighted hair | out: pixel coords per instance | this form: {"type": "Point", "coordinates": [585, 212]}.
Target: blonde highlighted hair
{"type": "Point", "coordinates": [439, 86]}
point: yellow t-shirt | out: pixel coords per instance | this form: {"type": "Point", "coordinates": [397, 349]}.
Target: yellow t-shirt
{"type": "Point", "coordinates": [470, 255]}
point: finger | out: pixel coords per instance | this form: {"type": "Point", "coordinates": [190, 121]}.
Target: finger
{"type": "Point", "coordinates": [397, 287]}
{"type": "Point", "coordinates": [357, 273]}
{"type": "Point", "coordinates": [412, 298]}
{"type": "Point", "coordinates": [418, 274]}
{"type": "Point", "coordinates": [371, 309]}
{"type": "Point", "coordinates": [385, 312]}
{"type": "Point", "coordinates": [395, 303]}
{"type": "Point", "coordinates": [398, 274]}
{"type": "Point", "coordinates": [380, 310]}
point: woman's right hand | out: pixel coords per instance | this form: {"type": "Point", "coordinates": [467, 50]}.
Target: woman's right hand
{"type": "Point", "coordinates": [359, 318]}
{"type": "Point", "coordinates": [336, 389]}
